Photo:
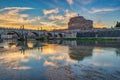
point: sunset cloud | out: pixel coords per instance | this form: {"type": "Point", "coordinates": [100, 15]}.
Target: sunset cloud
{"type": "Point", "coordinates": [99, 25]}
{"type": "Point", "coordinates": [56, 17]}
{"type": "Point", "coordinates": [69, 14]}
{"type": "Point", "coordinates": [56, 12]}
{"type": "Point", "coordinates": [12, 15]}
{"type": "Point", "coordinates": [47, 23]}
{"type": "Point", "coordinates": [52, 11]}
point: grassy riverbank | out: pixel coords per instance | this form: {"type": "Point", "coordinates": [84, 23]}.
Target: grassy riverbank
{"type": "Point", "coordinates": [91, 39]}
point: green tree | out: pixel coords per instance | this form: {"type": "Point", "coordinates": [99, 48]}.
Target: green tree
{"type": "Point", "coordinates": [118, 24]}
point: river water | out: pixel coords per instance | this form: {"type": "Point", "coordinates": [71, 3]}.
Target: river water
{"type": "Point", "coordinates": [59, 60]}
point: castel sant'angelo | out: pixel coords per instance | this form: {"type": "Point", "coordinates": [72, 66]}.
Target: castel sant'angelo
{"type": "Point", "coordinates": [79, 22]}
{"type": "Point", "coordinates": [84, 28]}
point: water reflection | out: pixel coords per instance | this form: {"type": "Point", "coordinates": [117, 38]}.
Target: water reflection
{"type": "Point", "coordinates": [56, 58]}
{"type": "Point", "coordinates": [80, 53]}
{"type": "Point", "coordinates": [118, 52]}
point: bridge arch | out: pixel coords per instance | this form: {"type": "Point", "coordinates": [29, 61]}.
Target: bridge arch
{"type": "Point", "coordinates": [10, 32]}
{"type": "Point", "coordinates": [50, 34]}
{"type": "Point", "coordinates": [55, 35]}
{"type": "Point", "coordinates": [31, 33]}
{"type": "Point", "coordinates": [61, 35]}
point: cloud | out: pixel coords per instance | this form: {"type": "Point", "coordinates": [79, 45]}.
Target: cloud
{"type": "Point", "coordinates": [70, 2]}
{"type": "Point", "coordinates": [48, 23]}
{"type": "Point", "coordinates": [18, 8]}
{"type": "Point", "coordinates": [62, 19]}
{"type": "Point", "coordinates": [22, 8]}
{"type": "Point", "coordinates": [99, 10]}
{"type": "Point", "coordinates": [99, 25]}
{"type": "Point", "coordinates": [70, 14]}
{"type": "Point", "coordinates": [67, 16]}
{"type": "Point", "coordinates": [12, 15]}
{"type": "Point", "coordinates": [56, 17]}
{"type": "Point", "coordinates": [86, 1]}
{"type": "Point", "coordinates": [46, 12]}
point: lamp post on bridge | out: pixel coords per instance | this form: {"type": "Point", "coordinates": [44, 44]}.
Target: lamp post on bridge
{"type": "Point", "coordinates": [22, 36]}
{"type": "Point", "coordinates": [40, 36]}
{"type": "Point", "coordinates": [38, 33]}
{"type": "Point", "coordinates": [22, 28]}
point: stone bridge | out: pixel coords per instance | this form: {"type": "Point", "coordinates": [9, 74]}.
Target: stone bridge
{"type": "Point", "coordinates": [36, 34]}
{"type": "Point", "coordinates": [22, 33]}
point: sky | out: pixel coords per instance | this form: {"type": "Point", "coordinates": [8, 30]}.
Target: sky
{"type": "Point", "coordinates": [55, 14]}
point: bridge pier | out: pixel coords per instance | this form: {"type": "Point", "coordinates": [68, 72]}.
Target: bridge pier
{"type": "Point", "coordinates": [23, 37]}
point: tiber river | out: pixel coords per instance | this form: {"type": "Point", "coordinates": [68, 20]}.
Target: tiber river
{"type": "Point", "coordinates": [59, 60]}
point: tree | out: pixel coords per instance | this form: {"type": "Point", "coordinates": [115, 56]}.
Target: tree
{"type": "Point", "coordinates": [118, 24]}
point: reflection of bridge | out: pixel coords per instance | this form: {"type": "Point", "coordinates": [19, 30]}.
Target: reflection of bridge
{"type": "Point", "coordinates": [78, 50]}
{"type": "Point", "coordinates": [26, 46]}
{"type": "Point", "coordinates": [16, 46]}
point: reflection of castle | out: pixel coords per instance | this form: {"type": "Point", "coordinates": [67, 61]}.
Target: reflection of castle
{"type": "Point", "coordinates": [80, 50]}
{"type": "Point", "coordinates": [80, 22]}
{"type": "Point", "coordinates": [80, 53]}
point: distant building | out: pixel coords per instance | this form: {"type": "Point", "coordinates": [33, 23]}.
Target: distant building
{"type": "Point", "coordinates": [81, 23]}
